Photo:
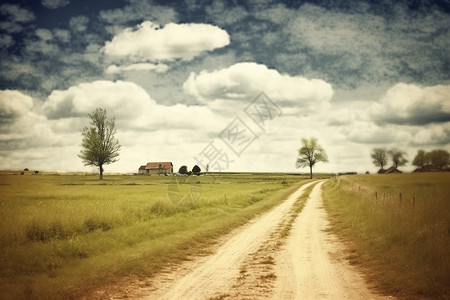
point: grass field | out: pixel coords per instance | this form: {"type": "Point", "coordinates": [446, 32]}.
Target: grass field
{"type": "Point", "coordinates": [64, 236]}
{"type": "Point", "coordinates": [397, 227]}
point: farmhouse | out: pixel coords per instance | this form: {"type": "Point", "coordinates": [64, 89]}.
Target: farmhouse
{"type": "Point", "coordinates": [157, 168]}
{"type": "Point", "coordinates": [389, 171]}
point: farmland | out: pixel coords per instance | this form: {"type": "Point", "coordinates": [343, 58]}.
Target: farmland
{"type": "Point", "coordinates": [67, 235]}
{"type": "Point", "coordinates": [71, 235]}
{"type": "Point", "coordinates": [397, 228]}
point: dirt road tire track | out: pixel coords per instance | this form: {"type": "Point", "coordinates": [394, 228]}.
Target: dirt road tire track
{"type": "Point", "coordinates": [305, 266]}
{"type": "Point", "coordinates": [217, 273]}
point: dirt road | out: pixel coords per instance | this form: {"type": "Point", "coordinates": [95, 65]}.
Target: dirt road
{"type": "Point", "coordinates": [307, 267]}
{"type": "Point", "coordinates": [270, 258]}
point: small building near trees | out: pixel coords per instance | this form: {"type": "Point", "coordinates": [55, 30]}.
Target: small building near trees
{"type": "Point", "coordinates": [156, 168]}
{"type": "Point", "coordinates": [390, 170]}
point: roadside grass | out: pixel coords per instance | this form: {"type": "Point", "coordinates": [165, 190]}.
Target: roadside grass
{"type": "Point", "coordinates": [65, 236]}
{"type": "Point", "coordinates": [398, 228]}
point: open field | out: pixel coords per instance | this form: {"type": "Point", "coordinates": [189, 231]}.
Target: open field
{"type": "Point", "coordinates": [67, 235]}
{"type": "Point", "coordinates": [397, 228]}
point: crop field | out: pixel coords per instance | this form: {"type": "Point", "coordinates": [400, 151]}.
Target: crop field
{"type": "Point", "coordinates": [64, 236]}
{"type": "Point", "coordinates": [397, 228]}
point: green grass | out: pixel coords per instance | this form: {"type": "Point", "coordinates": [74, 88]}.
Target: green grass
{"type": "Point", "coordinates": [398, 228]}
{"type": "Point", "coordinates": [64, 236]}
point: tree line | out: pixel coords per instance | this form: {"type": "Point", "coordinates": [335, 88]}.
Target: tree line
{"type": "Point", "coordinates": [100, 147]}
{"type": "Point", "coordinates": [435, 160]}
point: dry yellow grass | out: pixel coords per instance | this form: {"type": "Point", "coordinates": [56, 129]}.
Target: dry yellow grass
{"type": "Point", "coordinates": [398, 228]}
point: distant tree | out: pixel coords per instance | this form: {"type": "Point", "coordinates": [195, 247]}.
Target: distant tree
{"type": "Point", "coordinates": [421, 159]}
{"type": "Point", "coordinates": [196, 170]}
{"type": "Point", "coordinates": [397, 157]}
{"type": "Point", "coordinates": [379, 156]}
{"type": "Point", "coordinates": [183, 170]}
{"type": "Point", "coordinates": [439, 158]}
{"type": "Point", "coordinates": [99, 146]}
{"type": "Point", "coordinates": [309, 154]}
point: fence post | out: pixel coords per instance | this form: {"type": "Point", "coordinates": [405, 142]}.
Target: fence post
{"type": "Point", "coordinates": [400, 196]}
{"type": "Point", "coordinates": [414, 201]}
{"type": "Point", "coordinates": [376, 196]}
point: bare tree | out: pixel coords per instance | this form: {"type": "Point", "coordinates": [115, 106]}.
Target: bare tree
{"type": "Point", "coordinates": [99, 145]}
{"type": "Point", "coordinates": [398, 157]}
{"type": "Point", "coordinates": [309, 154]}
{"type": "Point", "coordinates": [379, 156]}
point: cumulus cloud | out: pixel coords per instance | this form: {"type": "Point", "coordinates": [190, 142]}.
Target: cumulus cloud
{"type": "Point", "coordinates": [44, 34]}
{"type": "Point", "coordinates": [243, 81]}
{"type": "Point", "coordinates": [223, 14]}
{"type": "Point", "coordinates": [150, 42]}
{"type": "Point", "coordinates": [79, 23]}
{"type": "Point", "coordinates": [158, 68]}
{"type": "Point", "coordinates": [128, 102]}
{"type": "Point", "coordinates": [20, 127]}
{"type": "Point", "coordinates": [123, 99]}
{"type": "Point", "coordinates": [413, 104]}
{"type": "Point", "coordinates": [53, 4]}
{"type": "Point", "coordinates": [6, 41]}
{"type": "Point", "coordinates": [15, 13]}
{"type": "Point", "coordinates": [62, 35]}
{"type": "Point", "coordinates": [13, 104]}
{"type": "Point", "coordinates": [138, 10]}
{"type": "Point", "coordinates": [433, 134]}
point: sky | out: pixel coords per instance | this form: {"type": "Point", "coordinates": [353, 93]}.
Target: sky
{"type": "Point", "coordinates": [232, 84]}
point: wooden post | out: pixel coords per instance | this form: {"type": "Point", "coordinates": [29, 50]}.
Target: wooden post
{"type": "Point", "coordinates": [376, 195]}
{"type": "Point", "coordinates": [414, 201]}
{"type": "Point", "coordinates": [400, 196]}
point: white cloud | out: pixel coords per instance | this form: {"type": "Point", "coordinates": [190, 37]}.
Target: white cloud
{"type": "Point", "coordinates": [14, 104]}
{"type": "Point", "coordinates": [79, 23]}
{"type": "Point", "coordinates": [53, 4]}
{"type": "Point", "coordinates": [225, 15]}
{"type": "Point", "coordinates": [122, 99]}
{"type": "Point", "coordinates": [15, 13]}
{"type": "Point", "coordinates": [20, 127]}
{"type": "Point", "coordinates": [62, 34]}
{"type": "Point", "coordinates": [44, 34]}
{"type": "Point", "coordinates": [277, 14]}
{"type": "Point", "coordinates": [129, 103]}
{"type": "Point", "coordinates": [158, 68]}
{"type": "Point", "coordinates": [138, 10]}
{"type": "Point", "coordinates": [6, 41]}
{"type": "Point", "coordinates": [243, 81]}
{"type": "Point", "coordinates": [412, 104]}
{"type": "Point", "coordinates": [150, 42]}
{"type": "Point", "coordinates": [433, 134]}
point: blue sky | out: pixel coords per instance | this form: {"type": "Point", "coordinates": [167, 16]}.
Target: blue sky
{"type": "Point", "coordinates": [176, 74]}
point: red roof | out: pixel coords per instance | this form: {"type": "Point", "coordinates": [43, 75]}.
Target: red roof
{"type": "Point", "coordinates": [156, 165]}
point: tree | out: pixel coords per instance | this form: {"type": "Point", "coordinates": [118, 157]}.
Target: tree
{"type": "Point", "coordinates": [379, 156]}
{"type": "Point", "coordinates": [421, 159]}
{"type": "Point", "coordinates": [309, 154]}
{"type": "Point", "coordinates": [398, 157]}
{"type": "Point", "coordinates": [196, 170]}
{"type": "Point", "coordinates": [99, 145]}
{"type": "Point", "coordinates": [183, 170]}
{"type": "Point", "coordinates": [439, 158]}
